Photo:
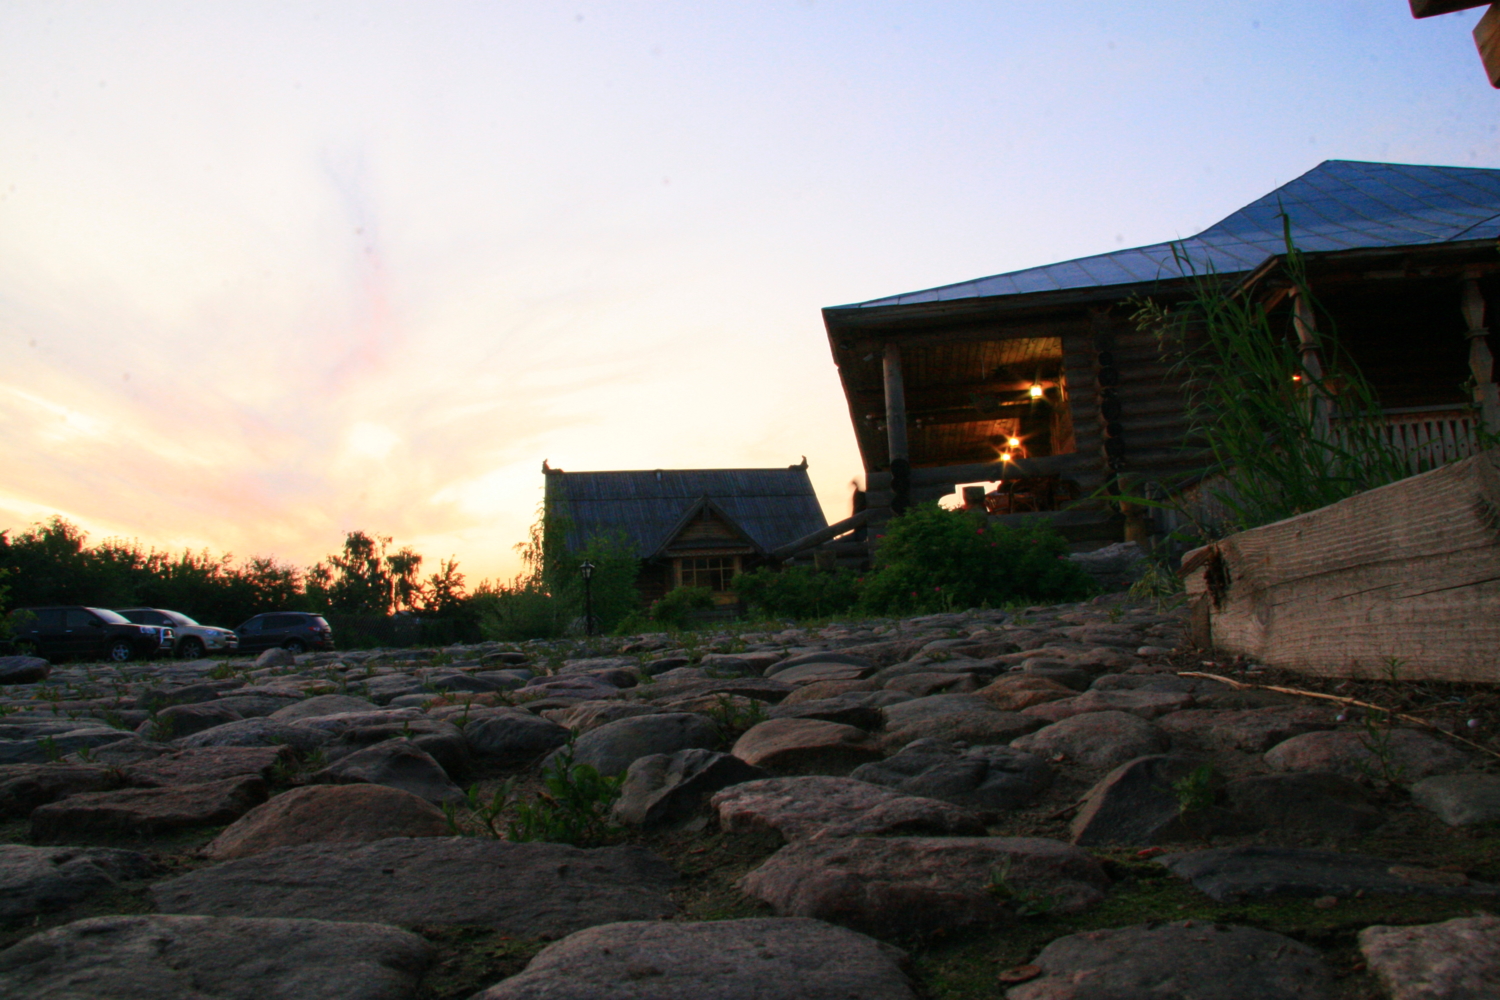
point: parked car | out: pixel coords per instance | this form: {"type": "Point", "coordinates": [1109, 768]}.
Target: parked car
{"type": "Point", "coordinates": [291, 630]}
{"type": "Point", "coordinates": [77, 632]}
{"type": "Point", "coordinates": [193, 640]}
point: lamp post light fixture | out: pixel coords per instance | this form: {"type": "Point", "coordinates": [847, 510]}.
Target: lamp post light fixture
{"type": "Point", "coordinates": [587, 569]}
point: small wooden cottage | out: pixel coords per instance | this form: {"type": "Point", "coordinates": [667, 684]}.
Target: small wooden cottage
{"type": "Point", "coordinates": [690, 527]}
{"type": "Point", "coordinates": [1038, 380]}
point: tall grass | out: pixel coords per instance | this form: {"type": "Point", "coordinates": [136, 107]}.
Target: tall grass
{"type": "Point", "coordinates": [1252, 399]}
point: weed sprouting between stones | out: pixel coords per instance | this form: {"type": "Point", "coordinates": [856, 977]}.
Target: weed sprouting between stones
{"type": "Point", "coordinates": [734, 719]}
{"type": "Point", "coordinates": [572, 807]}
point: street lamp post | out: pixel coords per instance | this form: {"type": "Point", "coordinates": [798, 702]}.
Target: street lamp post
{"type": "Point", "coordinates": [587, 569]}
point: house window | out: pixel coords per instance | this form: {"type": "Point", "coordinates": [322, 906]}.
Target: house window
{"type": "Point", "coordinates": [713, 572]}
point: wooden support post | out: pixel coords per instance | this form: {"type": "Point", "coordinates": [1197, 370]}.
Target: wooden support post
{"type": "Point", "coordinates": [895, 429]}
{"type": "Point", "coordinates": [1481, 361]}
{"type": "Point", "coordinates": [1312, 364]}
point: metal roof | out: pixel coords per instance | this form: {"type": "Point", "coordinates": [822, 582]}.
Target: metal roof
{"type": "Point", "coordinates": [1337, 205]}
{"type": "Point", "coordinates": [771, 506]}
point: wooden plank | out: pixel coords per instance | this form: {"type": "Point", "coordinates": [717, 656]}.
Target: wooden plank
{"type": "Point", "coordinates": [1409, 571]}
{"type": "Point", "coordinates": [1432, 8]}
{"type": "Point", "coordinates": [1487, 39]}
{"type": "Point", "coordinates": [822, 535]}
{"type": "Point", "coordinates": [895, 404]}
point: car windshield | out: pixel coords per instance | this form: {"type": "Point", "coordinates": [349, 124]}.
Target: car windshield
{"type": "Point", "coordinates": [110, 616]}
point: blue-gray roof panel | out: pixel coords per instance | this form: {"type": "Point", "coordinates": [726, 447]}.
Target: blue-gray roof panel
{"type": "Point", "coordinates": [1338, 205]}
{"type": "Point", "coordinates": [772, 506]}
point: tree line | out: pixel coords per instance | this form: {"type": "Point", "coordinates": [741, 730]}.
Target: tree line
{"type": "Point", "coordinates": [52, 562]}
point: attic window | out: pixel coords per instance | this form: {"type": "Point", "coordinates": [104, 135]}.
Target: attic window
{"type": "Point", "coordinates": [713, 572]}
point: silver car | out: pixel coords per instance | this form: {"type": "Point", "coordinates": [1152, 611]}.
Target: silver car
{"type": "Point", "coordinates": [193, 640]}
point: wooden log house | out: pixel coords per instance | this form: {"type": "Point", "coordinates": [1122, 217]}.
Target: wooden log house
{"type": "Point", "coordinates": [1038, 380]}
{"type": "Point", "coordinates": [689, 527]}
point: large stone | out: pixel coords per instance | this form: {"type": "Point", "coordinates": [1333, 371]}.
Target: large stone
{"type": "Point", "coordinates": [175, 721]}
{"type": "Point", "coordinates": [512, 737]}
{"type": "Point", "coordinates": [323, 704]}
{"type": "Point", "coordinates": [397, 763]}
{"type": "Point", "coordinates": [988, 779]}
{"type": "Point", "coordinates": [1134, 804]}
{"type": "Point", "coordinates": [926, 684]}
{"type": "Point", "coordinates": [1460, 799]}
{"type": "Point", "coordinates": [1254, 730]}
{"type": "Point", "coordinates": [587, 715]}
{"type": "Point", "coordinates": [42, 879]}
{"type": "Point", "coordinates": [257, 732]}
{"type": "Point", "coordinates": [1187, 960]}
{"type": "Point", "coordinates": [1013, 692]}
{"type": "Point", "coordinates": [258, 704]}
{"type": "Point", "coordinates": [805, 746]}
{"type": "Point", "coordinates": [145, 811]}
{"type": "Point", "coordinates": [443, 741]}
{"type": "Point", "coordinates": [1305, 802]}
{"type": "Point", "coordinates": [275, 657]}
{"type": "Point", "coordinates": [844, 658]}
{"type": "Point", "coordinates": [1458, 959]}
{"type": "Point", "coordinates": [960, 718]}
{"type": "Point", "coordinates": [51, 746]}
{"type": "Point", "coordinates": [753, 959]}
{"type": "Point", "coordinates": [23, 787]}
{"type": "Point", "coordinates": [897, 886]}
{"type": "Point", "coordinates": [204, 764]}
{"type": "Point", "coordinates": [832, 689]}
{"type": "Point", "coordinates": [328, 814]}
{"type": "Point", "coordinates": [1397, 755]}
{"type": "Point", "coordinates": [817, 806]}
{"type": "Point", "coordinates": [818, 670]}
{"type": "Point", "coordinates": [614, 746]}
{"type": "Point", "coordinates": [154, 699]}
{"type": "Point", "coordinates": [759, 688]}
{"type": "Point", "coordinates": [1146, 704]}
{"type": "Point", "coordinates": [524, 890]}
{"type": "Point", "coordinates": [156, 957]}
{"type": "Point", "coordinates": [23, 669]}
{"type": "Point", "coordinates": [1230, 874]}
{"type": "Point", "coordinates": [858, 709]}
{"type": "Point", "coordinates": [669, 789]}
{"type": "Point", "coordinates": [1095, 741]}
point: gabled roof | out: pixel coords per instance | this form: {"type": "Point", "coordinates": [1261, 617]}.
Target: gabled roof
{"type": "Point", "coordinates": [770, 506]}
{"type": "Point", "coordinates": [1337, 205]}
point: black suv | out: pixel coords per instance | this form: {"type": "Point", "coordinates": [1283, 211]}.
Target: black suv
{"type": "Point", "coordinates": [291, 630]}
{"type": "Point", "coordinates": [85, 633]}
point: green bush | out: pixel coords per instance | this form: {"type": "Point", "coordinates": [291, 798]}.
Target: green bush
{"type": "Point", "coordinates": [519, 612]}
{"type": "Point", "coordinates": [798, 591]}
{"type": "Point", "coordinates": [676, 610]}
{"type": "Point", "coordinates": [932, 559]}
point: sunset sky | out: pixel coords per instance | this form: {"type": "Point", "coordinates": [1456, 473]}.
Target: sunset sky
{"type": "Point", "coordinates": [271, 272]}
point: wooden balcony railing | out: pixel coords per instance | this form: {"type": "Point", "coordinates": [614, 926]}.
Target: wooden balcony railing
{"type": "Point", "coordinates": [1431, 436]}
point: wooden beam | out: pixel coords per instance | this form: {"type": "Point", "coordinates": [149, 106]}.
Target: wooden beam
{"type": "Point", "coordinates": [820, 536]}
{"type": "Point", "coordinates": [1312, 363]}
{"type": "Point", "coordinates": [1487, 39]}
{"type": "Point", "coordinates": [1404, 577]}
{"type": "Point", "coordinates": [1432, 8]}
{"type": "Point", "coordinates": [897, 446]}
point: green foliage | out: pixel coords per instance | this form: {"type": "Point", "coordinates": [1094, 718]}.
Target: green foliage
{"type": "Point", "coordinates": [1022, 903]}
{"type": "Point", "coordinates": [573, 808]}
{"type": "Point", "coordinates": [798, 591]}
{"type": "Point", "coordinates": [932, 559]}
{"type": "Point", "coordinates": [546, 599]}
{"type": "Point", "coordinates": [677, 608]}
{"type": "Point", "coordinates": [1196, 791]}
{"type": "Point", "coordinates": [1250, 399]}
{"type": "Point", "coordinates": [5, 623]}
{"type": "Point", "coordinates": [1382, 765]}
{"type": "Point", "coordinates": [734, 718]}
{"type": "Point", "coordinates": [486, 813]}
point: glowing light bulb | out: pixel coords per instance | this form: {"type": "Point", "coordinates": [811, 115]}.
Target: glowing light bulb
{"type": "Point", "coordinates": [1036, 391]}
{"type": "Point", "coordinates": [1014, 442]}
{"type": "Point", "coordinates": [1005, 456]}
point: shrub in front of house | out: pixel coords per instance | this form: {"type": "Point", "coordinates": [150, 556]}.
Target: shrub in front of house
{"type": "Point", "coordinates": [798, 592]}
{"type": "Point", "coordinates": [932, 559]}
{"type": "Point", "coordinates": [677, 608]}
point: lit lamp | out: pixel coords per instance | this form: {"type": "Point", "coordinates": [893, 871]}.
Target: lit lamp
{"type": "Point", "coordinates": [1036, 390]}
{"type": "Point", "coordinates": [587, 570]}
